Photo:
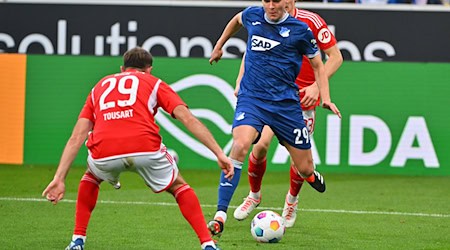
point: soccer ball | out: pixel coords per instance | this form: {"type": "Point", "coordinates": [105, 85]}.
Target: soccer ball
{"type": "Point", "coordinates": [174, 154]}
{"type": "Point", "coordinates": [267, 226]}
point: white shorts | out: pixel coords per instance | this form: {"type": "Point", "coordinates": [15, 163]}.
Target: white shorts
{"type": "Point", "coordinates": [310, 120]}
{"type": "Point", "coordinates": [158, 169]}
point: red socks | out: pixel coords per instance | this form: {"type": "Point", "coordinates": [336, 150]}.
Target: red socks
{"type": "Point", "coordinates": [86, 201]}
{"type": "Point", "coordinates": [296, 181]}
{"type": "Point", "coordinates": [256, 170]}
{"type": "Point", "coordinates": [185, 196]}
{"type": "Point", "coordinates": [190, 208]}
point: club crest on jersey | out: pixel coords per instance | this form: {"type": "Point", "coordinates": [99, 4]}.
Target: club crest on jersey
{"type": "Point", "coordinates": [240, 116]}
{"type": "Point", "coordinates": [284, 32]}
{"type": "Point", "coordinates": [262, 44]}
{"type": "Point", "coordinates": [314, 42]}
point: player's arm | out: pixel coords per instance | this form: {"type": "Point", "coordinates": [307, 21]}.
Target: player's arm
{"type": "Point", "coordinates": [239, 77]}
{"type": "Point", "coordinates": [233, 26]}
{"type": "Point", "coordinates": [55, 190]}
{"type": "Point", "coordinates": [199, 130]}
{"type": "Point", "coordinates": [334, 60]}
{"type": "Point", "coordinates": [322, 81]}
{"type": "Point", "coordinates": [331, 66]}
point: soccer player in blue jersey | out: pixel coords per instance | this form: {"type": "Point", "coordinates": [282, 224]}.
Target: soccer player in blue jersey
{"type": "Point", "coordinates": [268, 94]}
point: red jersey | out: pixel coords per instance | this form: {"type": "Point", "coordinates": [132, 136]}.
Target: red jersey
{"type": "Point", "coordinates": [325, 40]}
{"type": "Point", "coordinates": [122, 107]}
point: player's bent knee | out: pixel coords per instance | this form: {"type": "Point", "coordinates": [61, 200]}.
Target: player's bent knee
{"type": "Point", "coordinates": [239, 150]}
{"type": "Point", "coordinates": [305, 168]}
{"type": "Point", "coordinates": [177, 183]}
{"type": "Point", "coordinates": [260, 150]}
{"type": "Point", "coordinates": [306, 173]}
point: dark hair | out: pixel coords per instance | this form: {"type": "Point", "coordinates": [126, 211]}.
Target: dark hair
{"type": "Point", "coordinates": [138, 58]}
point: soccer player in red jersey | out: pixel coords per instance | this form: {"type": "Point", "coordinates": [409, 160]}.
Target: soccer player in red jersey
{"type": "Point", "coordinates": [118, 120]}
{"type": "Point", "coordinates": [309, 95]}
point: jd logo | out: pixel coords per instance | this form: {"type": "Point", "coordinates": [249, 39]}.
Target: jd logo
{"type": "Point", "coordinates": [262, 44]}
{"type": "Point", "coordinates": [216, 84]}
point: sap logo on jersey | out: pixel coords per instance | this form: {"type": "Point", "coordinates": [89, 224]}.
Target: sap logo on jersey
{"type": "Point", "coordinates": [262, 44]}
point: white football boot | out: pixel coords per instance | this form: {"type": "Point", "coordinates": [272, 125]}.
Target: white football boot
{"type": "Point", "coordinates": [246, 208]}
{"type": "Point", "coordinates": [289, 212]}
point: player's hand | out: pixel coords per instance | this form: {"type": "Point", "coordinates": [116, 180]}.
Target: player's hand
{"type": "Point", "coordinates": [216, 55]}
{"type": "Point", "coordinates": [311, 95]}
{"type": "Point", "coordinates": [226, 166]}
{"type": "Point", "coordinates": [54, 191]}
{"type": "Point", "coordinates": [331, 106]}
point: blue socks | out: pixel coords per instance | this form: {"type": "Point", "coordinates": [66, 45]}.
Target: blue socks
{"type": "Point", "coordinates": [227, 187]}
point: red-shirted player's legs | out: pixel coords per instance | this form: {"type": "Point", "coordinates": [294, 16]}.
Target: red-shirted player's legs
{"type": "Point", "coordinates": [86, 201]}
{"type": "Point", "coordinates": [291, 201]}
{"type": "Point", "coordinates": [257, 160]}
{"type": "Point", "coordinates": [190, 208]}
{"type": "Point", "coordinates": [256, 168]}
{"type": "Point", "coordinates": [296, 181]}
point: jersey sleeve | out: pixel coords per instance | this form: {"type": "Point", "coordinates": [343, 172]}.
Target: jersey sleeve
{"type": "Point", "coordinates": [324, 37]}
{"type": "Point", "coordinates": [309, 44]}
{"type": "Point", "coordinates": [88, 109]}
{"type": "Point", "coordinates": [244, 16]}
{"type": "Point", "coordinates": [168, 99]}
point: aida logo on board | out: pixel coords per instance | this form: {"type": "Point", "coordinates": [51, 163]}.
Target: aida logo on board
{"type": "Point", "coordinates": [413, 143]}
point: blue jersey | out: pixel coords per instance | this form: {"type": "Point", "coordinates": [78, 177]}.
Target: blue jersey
{"type": "Point", "coordinates": [274, 55]}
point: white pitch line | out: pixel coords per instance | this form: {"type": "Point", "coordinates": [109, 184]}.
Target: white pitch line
{"type": "Point", "coordinates": [260, 208]}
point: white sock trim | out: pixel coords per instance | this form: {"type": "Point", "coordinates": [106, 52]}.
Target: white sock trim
{"type": "Point", "coordinates": [222, 215]}
{"type": "Point", "coordinates": [208, 243]}
{"type": "Point", "coordinates": [290, 198]}
{"type": "Point", "coordinates": [255, 196]}
{"type": "Point", "coordinates": [76, 236]}
{"type": "Point", "coordinates": [237, 164]}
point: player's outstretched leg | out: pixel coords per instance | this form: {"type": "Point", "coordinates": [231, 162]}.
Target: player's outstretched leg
{"type": "Point", "coordinates": [190, 208]}
{"type": "Point", "coordinates": [256, 170]}
{"type": "Point", "coordinates": [86, 201]}
{"type": "Point", "coordinates": [225, 193]}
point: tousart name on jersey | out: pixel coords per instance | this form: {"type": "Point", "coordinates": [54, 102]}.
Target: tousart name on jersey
{"type": "Point", "coordinates": [115, 115]}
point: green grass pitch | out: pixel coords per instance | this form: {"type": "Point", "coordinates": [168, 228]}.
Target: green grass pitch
{"type": "Point", "coordinates": [356, 212]}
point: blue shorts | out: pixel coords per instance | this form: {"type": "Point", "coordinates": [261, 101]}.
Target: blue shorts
{"type": "Point", "coordinates": [285, 118]}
